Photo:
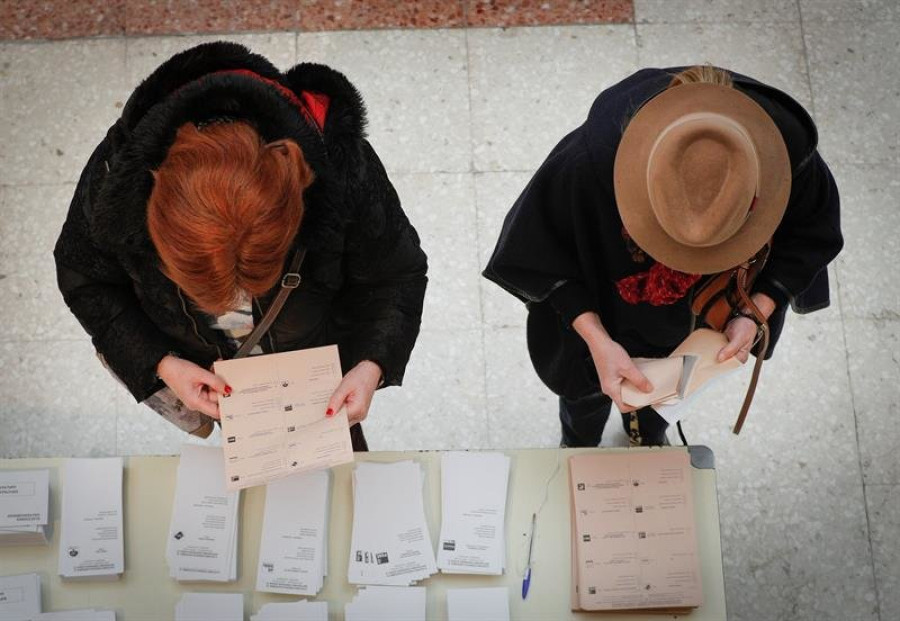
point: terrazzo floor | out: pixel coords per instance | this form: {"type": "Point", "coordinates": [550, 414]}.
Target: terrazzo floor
{"type": "Point", "coordinates": [809, 493]}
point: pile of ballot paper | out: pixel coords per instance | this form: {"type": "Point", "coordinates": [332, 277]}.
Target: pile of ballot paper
{"type": "Point", "coordinates": [489, 604]}
{"type": "Point", "coordinates": [473, 513]}
{"type": "Point", "coordinates": [202, 543]}
{"type": "Point", "coordinates": [85, 614]}
{"type": "Point", "coordinates": [92, 538]}
{"type": "Point", "coordinates": [390, 544]}
{"type": "Point", "coordinates": [24, 507]}
{"type": "Point", "coordinates": [293, 552]}
{"type": "Point", "coordinates": [294, 611]}
{"type": "Point", "coordinates": [210, 607]}
{"type": "Point", "coordinates": [20, 597]}
{"type": "Point", "coordinates": [385, 603]}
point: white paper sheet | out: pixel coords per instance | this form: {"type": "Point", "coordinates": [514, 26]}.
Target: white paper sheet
{"type": "Point", "coordinates": [20, 597]}
{"type": "Point", "coordinates": [302, 610]}
{"type": "Point", "coordinates": [292, 557]}
{"type": "Point", "coordinates": [488, 604]}
{"type": "Point", "coordinates": [210, 607]}
{"type": "Point", "coordinates": [24, 498]}
{"type": "Point", "coordinates": [386, 603]}
{"type": "Point", "coordinates": [92, 540]}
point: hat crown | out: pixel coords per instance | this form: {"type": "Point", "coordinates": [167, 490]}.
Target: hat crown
{"type": "Point", "coordinates": [702, 177]}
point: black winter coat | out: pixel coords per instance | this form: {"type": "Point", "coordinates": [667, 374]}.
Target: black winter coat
{"type": "Point", "coordinates": [363, 280]}
{"type": "Point", "coordinates": [563, 247]}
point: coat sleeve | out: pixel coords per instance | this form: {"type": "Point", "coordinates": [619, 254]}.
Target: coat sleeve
{"type": "Point", "coordinates": [807, 239]}
{"type": "Point", "coordinates": [535, 257]}
{"type": "Point", "coordinates": [100, 294]}
{"type": "Point", "coordinates": [385, 273]}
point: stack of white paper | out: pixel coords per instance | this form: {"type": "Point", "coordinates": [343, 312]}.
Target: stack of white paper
{"type": "Point", "coordinates": [24, 501]}
{"type": "Point", "coordinates": [384, 603]}
{"type": "Point", "coordinates": [202, 542]}
{"type": "Point", "coordinates": [294, 611]}
{"type": "Point", "coordinates": [473, 513]}
{"type": "Point", "coordinates": [293, 552]}
{"type": "Point", "coordinates": [86, 614]}
{"type": "Point", "coordinates": [210, 607]}
{"type": "Point", "coordinates": [390, 544]}
{"type": "Point", "coordinates": [20, 597]}
{"type": "Point", "coordinates": [478, 604]}
{"type": "Point", "coordinates": [92, 541]}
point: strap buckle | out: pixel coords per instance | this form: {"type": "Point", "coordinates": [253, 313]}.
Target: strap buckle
{"type": "Point", "coordinates": [291, 280]}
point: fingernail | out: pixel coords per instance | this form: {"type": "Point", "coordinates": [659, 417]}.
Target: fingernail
{"type": "Point", "coordinates": [227, 390]}
{"type": "Point", "coordinates": [329, 412]}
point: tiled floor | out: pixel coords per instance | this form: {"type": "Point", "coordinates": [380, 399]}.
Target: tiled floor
{"type": "Point", "coordinates": [809, 493]}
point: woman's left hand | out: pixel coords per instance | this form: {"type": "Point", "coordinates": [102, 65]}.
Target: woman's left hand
{"type": "Point", "coordinates": [741, 333]}
{"type": "Point", "coordinates": [355, 391]}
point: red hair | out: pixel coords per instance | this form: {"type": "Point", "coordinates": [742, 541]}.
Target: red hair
{"type": "Point", "coordinates": [225, 210]}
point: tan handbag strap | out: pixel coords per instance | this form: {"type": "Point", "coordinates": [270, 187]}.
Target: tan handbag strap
{"type": "Point", "coordinates": [762, 339]}
{"type": "Point", "coordinates": [289, 282]}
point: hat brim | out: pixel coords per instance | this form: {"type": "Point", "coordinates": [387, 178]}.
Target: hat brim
{"type": "Point", "coordinates": [632, 193]}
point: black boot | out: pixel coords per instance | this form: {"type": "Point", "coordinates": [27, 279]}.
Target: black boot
{"type": "Point", "coordinates": [645, 427]}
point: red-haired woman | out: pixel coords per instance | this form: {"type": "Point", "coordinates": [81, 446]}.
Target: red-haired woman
{"type": "Point", "coordinates": [199, 200]}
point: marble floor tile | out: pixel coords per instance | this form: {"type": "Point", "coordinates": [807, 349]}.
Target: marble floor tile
{"type": "Point", "coordinates": [413, 83]}
{"type": "Point", "coordinates": [847, 10]}
{"type": "Point", "coordinates": [797, 553]}
{"type": "Point", "coordinates": [532, 86]}
{"type": "Point", "coordinates": [495, 194]}
{"type": "Point", "coordinates": [872, 351]}
{"type": "Point", "coordinates": [172, 16]}
{"type": "Point", "coordinates": [31, 302]}
{"type": "Point", "coordinates": [40, 19]}
{"type": "Point", "coordinates": [884, 521]}
{"type": "Point", "coordinates": [370, 15]}
{"type": "Point", "coordinates": [145, 54]}
{"type": "Point", "coordinates": [870, 221]}
{"type": "Point", "coordinates": [769, 52]}
{"type": "Point", "coordinates": [507, 13]}
{"type": "Point", "coordinates": [441, 208]}
{"type": "Point", "coordinates": [58, 100]}
{"type": "Point", "coordinates": [32, 217]}
{"type": "Point", "coordinates": [800, 430]}
{"type": "Point", "coordinates": [708, 11]}
{"type": "Point", "coordinates": [57, 401]}
{"type": "Point", "coordinates": [441, 404]}
{"type": "Point", "coordinates": [854, 76]}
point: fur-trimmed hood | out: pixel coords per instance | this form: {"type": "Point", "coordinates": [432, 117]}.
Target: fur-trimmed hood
{"type": "Point", "coordinates": [189, 88]}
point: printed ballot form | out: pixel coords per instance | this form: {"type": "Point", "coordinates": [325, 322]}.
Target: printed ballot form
{"type": "Point", "coordinates": [634, 543]}
{"type": "Point", "coordinates": [274, 423]}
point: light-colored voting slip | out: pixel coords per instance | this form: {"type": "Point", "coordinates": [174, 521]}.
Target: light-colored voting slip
{"type": "Point", "coordinates": [274, 423]}
{"type": "Point", "coordinates": [210, 607]}
{"type": "Point", "coordinates": [302, 610]}
{"type": "Point", "coordinates": [24, 507]}
{"type": "Point", "coordinates": [92, 538]}
{"type": "Point", "coordinates": [390, 543]}
{"type": "Point", "coordinates": [84, 614]}
{"type": "Point", "coordinates": [202, 539]}
{"type": "Point", "coordinates": [387, 603]}
{"type": "Point", "coordinates": [20, 597]}
{"type": "Point", "coordinates": [486, 604]}
{"type": "Point", "coordinates": [293, 551]}
{"type": "Point", "coordinates": [683, 372]}
{"type": "Point", "coordinates": [473, 513]}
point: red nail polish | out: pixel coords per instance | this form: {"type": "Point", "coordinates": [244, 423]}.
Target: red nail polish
{"type": "Point", "coordinates": [329, 412]}
{"type": "Point", "coordinates": [227, 390]}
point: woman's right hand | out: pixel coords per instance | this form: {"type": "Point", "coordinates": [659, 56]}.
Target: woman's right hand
{"type": "Point", "coordinates": [612, 362]}
{"type": "Point", "coordinates": [197, 388]}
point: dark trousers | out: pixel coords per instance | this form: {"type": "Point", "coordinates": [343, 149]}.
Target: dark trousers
{"type": "Point", "coordinates": [583, 420]}
{"type": "Point", "coordinates": [358, 440]}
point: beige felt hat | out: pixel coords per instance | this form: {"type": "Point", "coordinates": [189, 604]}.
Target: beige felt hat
{"type": "Point", "coordinates": [702, 178]}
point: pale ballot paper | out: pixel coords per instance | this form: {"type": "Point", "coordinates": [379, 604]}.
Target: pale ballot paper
{"type": "Point", "coordinates": [20, 597]}
{"type": "Point", "coordinates": [274, 423]}
{"type": "Point", "coordinates": [92, 539]}
{"type": "Point", "coordinates": [302, 610]}
{"type": "Point", "coordinates": [473, 513]}
{"type": "Point", "coordinates": [390, 544]}
{"type": "Point", "coordinates": [84, 614]}
{"type": "Point", "coordinates": [487, 604]}
{"type": "Point", "coordinates": [387, 603]}
{"type": "Point", "coordinates": [293, 554]}
{"type": "Point", "coordinates": [202, 542]}
{"type": "Point", "coordinates": [210, 607]}
{"type": "Point", "coordinates": [24, 507]}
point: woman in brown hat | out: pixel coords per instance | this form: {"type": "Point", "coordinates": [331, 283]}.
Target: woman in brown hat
{"type": "Point", "coordinates": [675, 174]}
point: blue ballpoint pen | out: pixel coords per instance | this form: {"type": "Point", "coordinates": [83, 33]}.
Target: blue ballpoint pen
{"type": "Point", "coordinates": [526, 581]}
